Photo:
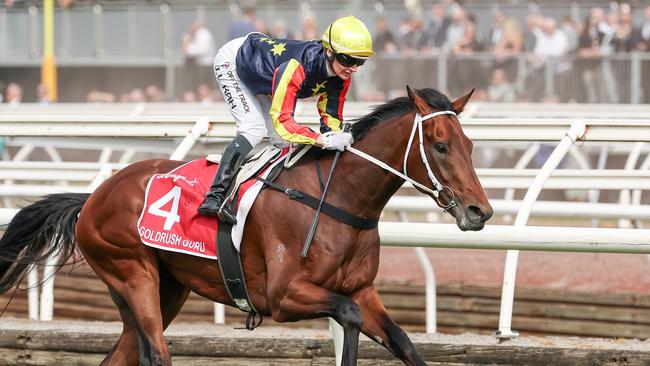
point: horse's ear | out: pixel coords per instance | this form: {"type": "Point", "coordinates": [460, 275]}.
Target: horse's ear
{"type": "Point", "coordinates": [420, 105]}
{"type": "Point", "coordinates": [459, 103]}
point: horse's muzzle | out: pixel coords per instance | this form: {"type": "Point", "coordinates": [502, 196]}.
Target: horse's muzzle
{"type": "Point", "coordinates": [472, 216]}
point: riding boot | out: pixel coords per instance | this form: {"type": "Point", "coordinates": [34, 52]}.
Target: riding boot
{"type": "Point", "coordinates": [232, 158]}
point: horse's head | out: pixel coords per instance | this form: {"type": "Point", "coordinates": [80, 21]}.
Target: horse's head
{"type": "Point", "coordinates": [448, 153]}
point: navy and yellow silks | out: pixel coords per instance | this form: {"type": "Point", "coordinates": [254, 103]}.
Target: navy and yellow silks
{"type": "Point", "coordinates": [288, 70]}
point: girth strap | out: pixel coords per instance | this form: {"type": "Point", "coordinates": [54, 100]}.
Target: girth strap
{"type": "Point", "coordinates": [327, 209]}
{"type": "Point", "coordinates": [233, 275]}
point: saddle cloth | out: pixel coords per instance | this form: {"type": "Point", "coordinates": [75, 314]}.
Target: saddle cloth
{"type": "Point", "coordinates": [169, 219]}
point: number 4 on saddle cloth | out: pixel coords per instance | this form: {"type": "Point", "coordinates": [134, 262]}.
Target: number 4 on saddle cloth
{"type": "Point", "coordinates": [169, 219]}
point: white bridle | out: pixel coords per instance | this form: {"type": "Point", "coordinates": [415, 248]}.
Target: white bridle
{"type": "Point", "coordinates": [417, 126]}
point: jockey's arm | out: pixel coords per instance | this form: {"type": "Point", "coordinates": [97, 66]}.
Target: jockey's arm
{"type": "Point", "coordinates": [330, 104]}
{"type": "Point", "coordinates": [287, 81]}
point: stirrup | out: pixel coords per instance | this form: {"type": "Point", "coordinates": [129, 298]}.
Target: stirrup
{"type": "Point", "coordinates": [226, 216]}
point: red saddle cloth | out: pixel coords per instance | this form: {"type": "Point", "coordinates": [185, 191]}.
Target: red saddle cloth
{"type": "Point", "coordinates": [169, 219]}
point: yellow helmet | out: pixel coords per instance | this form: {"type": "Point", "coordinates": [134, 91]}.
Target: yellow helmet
{"type": "Point", "coordinates": [348, 35]}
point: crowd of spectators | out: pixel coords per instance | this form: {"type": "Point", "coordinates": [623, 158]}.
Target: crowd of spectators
{"type": "Point", "coordinates": [576, 51]}
{"type": "Point", "coordinates": [512, 61]}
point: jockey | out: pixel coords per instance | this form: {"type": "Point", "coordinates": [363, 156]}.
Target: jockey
{"type": "Point", "coordinates": [261, 78]}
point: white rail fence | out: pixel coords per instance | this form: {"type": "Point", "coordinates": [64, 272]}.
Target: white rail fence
{"type": "Point", "coordinates": [626, 128]}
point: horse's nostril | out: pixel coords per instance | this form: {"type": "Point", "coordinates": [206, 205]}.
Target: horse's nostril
{"type": "Point", "coordinates": [476, 213]}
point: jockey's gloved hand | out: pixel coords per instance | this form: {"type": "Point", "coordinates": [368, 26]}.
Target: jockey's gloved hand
{"type": "Point", "coordinates": [336, 140]}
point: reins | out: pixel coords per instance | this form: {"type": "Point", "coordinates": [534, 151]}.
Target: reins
{"type": "Point", "coordinates": [417, 126]}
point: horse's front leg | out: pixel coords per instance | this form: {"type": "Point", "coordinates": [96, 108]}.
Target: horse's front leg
{"type": "Point", "coordinates": [379, 326]}
{"type": "Point", "coordinates": [304, 300]}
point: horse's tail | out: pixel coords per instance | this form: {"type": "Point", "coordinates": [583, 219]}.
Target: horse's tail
{"type": "Point", "coordinates": [37, 232]}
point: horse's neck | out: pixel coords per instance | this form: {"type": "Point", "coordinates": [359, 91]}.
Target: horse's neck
{"type": "Point", "coordinates": [373, 186]}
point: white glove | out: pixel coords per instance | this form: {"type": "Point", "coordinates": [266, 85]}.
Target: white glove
{"type": "Point", "coordinates": [336, 140]}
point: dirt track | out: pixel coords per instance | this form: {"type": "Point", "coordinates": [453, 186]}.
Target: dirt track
{"type": "Point", "coordinates": [594, 272]}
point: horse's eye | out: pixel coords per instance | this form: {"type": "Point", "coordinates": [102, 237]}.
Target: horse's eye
{"type": "Point", "coordinates": [441, 148]}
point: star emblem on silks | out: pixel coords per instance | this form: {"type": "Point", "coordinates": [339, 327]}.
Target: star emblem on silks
{"type": "Point", "coordinates": [267, 40]}
{"type": "Point", "coordinates": [318, 87]}
{"type": "Point", "coordinates": [278, 49]}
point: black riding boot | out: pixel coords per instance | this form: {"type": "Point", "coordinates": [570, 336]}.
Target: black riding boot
{"type": "Point", "coordinates": [232, 158]}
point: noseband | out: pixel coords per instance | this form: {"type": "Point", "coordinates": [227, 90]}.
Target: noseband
{"type": "Point", "coordinates": [437, 187]}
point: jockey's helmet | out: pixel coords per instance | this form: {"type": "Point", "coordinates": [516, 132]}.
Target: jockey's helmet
{"type": "Point", "coordinates": [348, 35]}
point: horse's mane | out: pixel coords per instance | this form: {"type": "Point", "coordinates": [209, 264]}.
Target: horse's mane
{"type": "Point", "coordinates": [397, 107]}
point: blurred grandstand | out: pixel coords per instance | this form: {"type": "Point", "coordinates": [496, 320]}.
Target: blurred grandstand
{"type": "Point", "coordinates": [546, 51]}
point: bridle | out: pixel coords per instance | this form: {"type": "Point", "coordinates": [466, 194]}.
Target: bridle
{"type": "Point", "coordinates": [437, 187]}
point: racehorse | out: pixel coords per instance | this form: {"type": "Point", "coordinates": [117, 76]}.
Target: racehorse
{"type": "Point", "coordinates": [149, 286]}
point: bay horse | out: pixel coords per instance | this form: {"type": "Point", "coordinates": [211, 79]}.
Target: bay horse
{"type": "Point", "coordinates": [149, 286]}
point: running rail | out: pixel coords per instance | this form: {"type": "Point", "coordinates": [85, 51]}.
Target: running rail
{"type": "Point", "coordinates": [576, 132]}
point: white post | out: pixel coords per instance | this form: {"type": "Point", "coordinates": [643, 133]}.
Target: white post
{"type": "Point", "coordinates": [430, 290]}
{"type": "Point", "coordinates": [32, 292]}
{"type": "Point", "coordinates": [47, 290]}
{"type": "Point", "coordinates": [430, 283]}
{"type": "Point", "coordinates": [624, 195]}
{"type": "Point", "coordinates": [219, 313]}
{"type": "Point", "coordinates": [577, 130]}
{"type": "Point", "coordinates": [201, 126]}
{"type": "Point", "coordinates": [337, 337]}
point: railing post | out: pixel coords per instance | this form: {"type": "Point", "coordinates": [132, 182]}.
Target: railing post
{"type": "Point", "coordinates": [635, 78]}
{"type": "Point", "coordinates": [32, 292]}
{"type": "Point", "coordinates": [430, 284]}
{"type": "Point", "coordinates": [577, 130]}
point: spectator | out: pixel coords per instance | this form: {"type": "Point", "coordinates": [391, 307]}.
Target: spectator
{"type": "Point", "coordinates": [551, 46]}
{"type": "Point", "coordinates": [189, 97]}
{"type": "Point", "coordinates": [309, 28]}
{"type": "Point", "coordinates": [469, 41]}
{"type": "Point", "coordinates": [589, 52]}
{"type": "Point", "coordinates": [415, 39]}
{"type": "Point", "coordinates": [260, 26]}
{"type": "Point", "coordinates": [622, 40]}
{"type": "Point", "coordinates": [13, 94]}
{"type": "Point", "coordinates": [245, 25]}
{"type": "Point", "coordinates": [496, 34]}
{"type": "Point", "coordinates": [507, 42]}
{"type": "Point", "coordinates": [205, 95]}
{"type": "Point", "coordinates": [533, 22]}
{"type": "Point", "coordinates": [43, 94]}
{"type": "Point", "coordinates": [437, 29]}
{"type": "Point", "coordinates": [137, 96]}
{"type": "Point", "coordinates": [66, 4]}
{"type": "Point", "coordinates": [642, 43]}
{"type": "Point", "coordinates": [153, 94]}
{"type": "Point", "coordinates": [384, 41]}
{"type": "Point", "coordinates": [456, 30]}
{"type": "Point", "coordinates": [643, 36]}
{"type": "Point", "coordinates": [570, 30]}
{"type": "Point", "coordinates": [198, 48]}
{"type": "Point", "coordinates": [500, 90]}
{"type": "Point", "coordinates": [96, 96]}
{"type": "Point", "coordinates": [468, 71]}
{"type": "Point", "coordinates": [551, 43]}
{"type": "Point", "coordinates": [280, 31]}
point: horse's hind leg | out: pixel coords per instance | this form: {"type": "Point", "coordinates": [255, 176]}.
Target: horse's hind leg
{"type": "Point", "coordinates": [378, 325]}
{"type": "Point", "coordinates": [304, 300]}
{"type": "Point", "coordinates": [173, 295]}
{"type": "Point", "coordinates": [126, 351]}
